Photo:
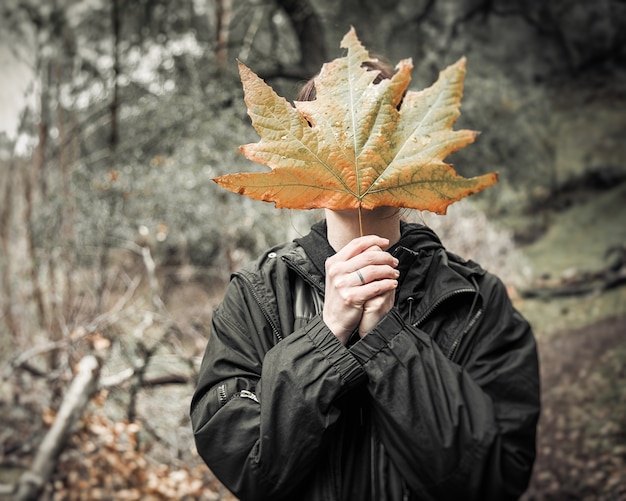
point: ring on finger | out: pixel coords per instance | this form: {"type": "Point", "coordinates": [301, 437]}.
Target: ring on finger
{"type": "Point", "coordinates": [360, 275]}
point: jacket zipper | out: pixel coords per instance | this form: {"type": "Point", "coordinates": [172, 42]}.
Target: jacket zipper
{"type": "Point", "coordinates": [267, 316]}
{"type": "Point", "coordinates": [303, 274]}
{"type": "Point", "coordinates": [457, 341]}
{"type": "Point", "coordinates": [221, 395]}
{"type": "Point", "coordinates": [438, 303]}
{"type": "Point", "coordinates": [223, 399]}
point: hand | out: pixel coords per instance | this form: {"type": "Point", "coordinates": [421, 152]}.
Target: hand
{"type": "Point", "coordinates": [350, 299]}
{"type": "Point", "coordinates": [374, 310]}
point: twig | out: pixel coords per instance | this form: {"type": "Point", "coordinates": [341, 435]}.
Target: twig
{"type": "Point", "coordinates": [152, 279]}
{"type": "Point", "coordinates": [22, 360]}
{"type": "Point", "coordinates": [117, 307]}
{"type": "Point", "coordinates": [253, 28]}
{"type": "Point", "coordinates": [37, 350]}
{"type": "Point", "coordinates": [117, 379]}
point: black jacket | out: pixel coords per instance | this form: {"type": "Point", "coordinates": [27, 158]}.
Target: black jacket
{"type": "Point", "coordinates": [439, 401]}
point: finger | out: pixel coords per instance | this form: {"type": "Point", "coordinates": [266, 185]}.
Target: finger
{"type": "Point", "coordinates": [371, 258]}
{"type": "Point", "coordinates": [376, 302]}
{"type": "Point", "coordinates": [361, 277]}
{"type": "Point", "coordinates": [374, 310]}
{"type": "Point", "coordinates": [360, 245]}
{"type": "Point", "coordinates": [345, 274]}
{"type": "Point", "coordinates": [344, 270]}
{"type": "Point", "coordinates": [363, 293]}
{"type": "Point", "coordinates": [372, 273]}
{"type": "Point", "coordinates": [362, 269]}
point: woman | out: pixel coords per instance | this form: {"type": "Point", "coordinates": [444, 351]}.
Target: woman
{"type": "Point", "coordinates": [382, 367]}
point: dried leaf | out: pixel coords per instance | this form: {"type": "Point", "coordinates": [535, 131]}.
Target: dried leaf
{"type": "Point", "coordinates": [359, 144]}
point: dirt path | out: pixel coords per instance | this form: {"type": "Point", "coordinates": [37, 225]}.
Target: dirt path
{"type": "Point", "coordinates": [582, 432]}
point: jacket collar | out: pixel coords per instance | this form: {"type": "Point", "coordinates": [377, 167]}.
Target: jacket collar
{"type": "Point", "coordinates": [412, 236]}
{"type": "Point", "coordinates": [428, 274]}
{"type": "Point", "coordinates": [316, 247]}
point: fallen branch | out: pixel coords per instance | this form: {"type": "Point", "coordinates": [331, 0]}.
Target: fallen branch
{"type": "Point", "coordinates": [580, 284]}
{"type": "Point", "coordinates": [76, 399]}
{"type": "Point", "coordinates": [22, 361]}
{"type": "Point", "coordinates": [147, 382]}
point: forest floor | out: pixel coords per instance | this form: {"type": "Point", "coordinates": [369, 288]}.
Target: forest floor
{"type": "Point", "coordinates": [582, 432]}
{"type": "Point", "coordinates": [581, 453]}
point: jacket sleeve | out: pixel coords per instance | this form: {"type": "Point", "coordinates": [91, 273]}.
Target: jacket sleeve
{"type": "Point", "coordinates": [259, 418]}
{"type": "Point", "coordinates": [457, 432]}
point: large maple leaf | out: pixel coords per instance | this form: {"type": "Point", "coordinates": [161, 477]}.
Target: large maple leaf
{"type": "Point", "coordinates": [359, 144]}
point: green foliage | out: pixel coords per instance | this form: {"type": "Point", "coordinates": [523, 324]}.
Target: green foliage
{"type": "Point", "coordinates": [178, 119]}
{"type": "Point", "coordinates": [160, 186]}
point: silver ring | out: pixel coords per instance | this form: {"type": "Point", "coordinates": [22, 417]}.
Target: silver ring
{"type": "Point", "coordinates": [360, 275]}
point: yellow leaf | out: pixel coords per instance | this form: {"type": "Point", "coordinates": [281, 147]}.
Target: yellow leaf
{"type": "Point", "coordinates": [359, 144]}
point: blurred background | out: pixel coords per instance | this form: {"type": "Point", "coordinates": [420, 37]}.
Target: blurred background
{"type": "Point", "coordinates": [115, 245]}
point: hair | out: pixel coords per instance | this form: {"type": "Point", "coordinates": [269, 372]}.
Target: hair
{"type": "Point", "coordinates": [308, 92]}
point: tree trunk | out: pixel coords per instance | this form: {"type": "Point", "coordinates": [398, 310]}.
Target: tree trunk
{"type": "Point", "coordinates": [310, 32]}
{"type": "Point", "coordinates": [5, 266]}
{"type": "Point", "coordinates": [224, 11]}
{"type": "Point", "coordinates": [115, 24]}
{"type": "Point", "coordinates": [29, 199]}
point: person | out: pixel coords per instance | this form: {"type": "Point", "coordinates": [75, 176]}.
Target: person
{"type": "Point", "coordinates": [376, 367]}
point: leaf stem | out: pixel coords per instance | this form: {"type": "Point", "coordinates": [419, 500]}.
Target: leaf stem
{"type": "Point", "coordinates": [360, 219]}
